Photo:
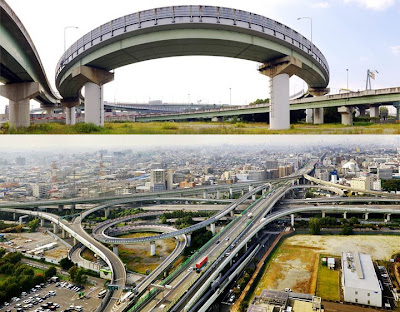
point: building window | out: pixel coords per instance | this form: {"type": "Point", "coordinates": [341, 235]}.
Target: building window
{"type": "Point", "coordinates": [369, 302]}
{"type": "Point", "coordinates": [356, 292]}
{"type": "Point", "coordinates": [368, 294]}
{"type": "Point", "coordinates": [356, 300]}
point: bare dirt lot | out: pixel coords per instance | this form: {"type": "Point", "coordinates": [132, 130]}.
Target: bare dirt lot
{"type": "Point", "coordinates": [295, 263]}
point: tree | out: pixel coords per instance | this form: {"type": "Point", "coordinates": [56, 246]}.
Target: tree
{"type": "Point", "coordinates": [72, 272]}
{"type": "Point", "coordinates": [383, 112]}
{"type": "Point", "coordinates": [353, 221]}
{"type": "Point", "coordinates": [347, 230]}
{"type": "Point", "coordinates": [33, 225]}
{"type": "Point", "coordinates": [66, 264]}
{"type": "Point", "coordinates": [315, 226]}
{"type": "Point", "coordinates": [50, 272]}
{"type": "Point", "coordinates": [38, 279]}
{"type": "Point", "coordinates": [2, 252]}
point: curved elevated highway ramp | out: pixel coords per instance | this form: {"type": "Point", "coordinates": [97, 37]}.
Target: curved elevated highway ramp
{"type": "Point", "coordinates": [21, 69]}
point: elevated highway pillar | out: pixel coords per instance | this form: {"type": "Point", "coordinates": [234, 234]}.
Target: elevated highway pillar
{"type": "Point", "coordinates": [205, 196]}
{"type": "Point", "coordinates": [152, 248]}
{"type": "Point", "coordinates": [251, 188]}
{"type": "Point", "coordinates": [115, 249]}
{"type": "Point", "coordinates": [253, 197]}
{"type": "Point", "coordinates": [14, 216]}
{"type": "Point", "coordinates": [309, 115]}
{"type": "Point", "coordinates": [347, 115]}
{"type": "Point", "coordinates": [323, 214]}
{"type": "Point", "coordinates": [213, 228]}
{"type": "Point", "coordinates": [366, 216]}
{"type": "Point", "coordinates": [94, 102]}
{"type": "Point", "coordinates": [70, 111]}
{"type": "Point", "coordinates": [345, 215]}
{"type": "Point", "coordinates": [362, 110]}
{"type": "Point", "coordinates": [218, 194]}
{"type": "Point", "coordinates": [189, 239]}
{"type": "Point", "coordinates": [280, 71]}
{"type": "Point", "coordinates": [75, 241]}
{"type": "Point", "coordinates": [55, 228]}
{"type": "Point", "coordinates": [388, 217]}
{"type": "Point", "coordinates": [318, 116]}
{"type": "Point", "coordinates": [292, 220]}
{"type": "Point", "coordinates": [374, 111]}
{"type": "Point", "coordinates": [19, 95]}
{"type": "Point", "coordinates": [63, 234]}
{"type": "Point", "coordinates": [106, 213]}
{"type": "Point", "coordinates": [60, 208]}
{"type": "Point", "coordinates": [42, 222]}
{"type": "Point", "coordinates": [230, 192]}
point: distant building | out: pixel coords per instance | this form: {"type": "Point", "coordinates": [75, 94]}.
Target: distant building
{"type": "Point", "coordinates": [40, 190]}
{"type": "Point", "coordinates": [158, 179]}
{"type": "Point", "coordinates": [362, 183]}
{"type": "Point", "coordinates": [385, 173]}
{"type": "Point", "coordinates": [278, 301]}
{"type": "Point", "coordinates": [359, 281]}
{"type": "Point", "coordinates": [20, 161]}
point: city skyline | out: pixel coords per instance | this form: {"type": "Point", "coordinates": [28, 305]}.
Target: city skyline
{"type": "Point", "coordinates": [88, 143]}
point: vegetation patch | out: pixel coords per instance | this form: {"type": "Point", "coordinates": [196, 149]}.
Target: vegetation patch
{"type": "Point", "coordinates": [327, 282]}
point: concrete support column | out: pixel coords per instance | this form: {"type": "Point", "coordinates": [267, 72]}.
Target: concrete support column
{"type": "Point", "coordinates": [218, 194]}
{"type": "Point", "coordinates": [318, 116]}
{"type": "Point", "coordinates": [388, 217]}
{"type": "Point", "coordinates": [347, 115]}
{"type": "Point", "coordinates": [253, 197]}
{"type": "Point", "coordinates": [152, 248]}
{"type": "Point", "coordinates": [75, 241]}
{"type": "Point", "coordinates": [242, 192]}
{"type": "Point", "coordinates": [230, 192]}
{"type": "Point", "coordinates": [366, 216]}
{"type": "Point", "coordinates": [94, 104]}
{"type": "Point", "coordinates": [21, 220]}
{"type": "Point", "coordinates": [345, 215]}
{"type": "Point", "coordinates": [374, 111]}
{"type": "Point", "coordinates": [279, 115]}
{"type": "Point", "coordinates": [115, 249]}
{"type": "Point", "coordinates": [60, 208]}
{"type": "Point", "coordinates": [63, 234]}
{"type": "Point", "coordinates": [14, 216]}
{"type": "Point", "coordinates": [205, 196]}
{"type": "Point", "coordinates": [19, 95]}
{"type": "Point", "coordinates": [263, 191]}
{"type": "Point", "coordinates": [70, 115]}
{"type": "Point", "coordinates": [232, 213]}
{"type": "Point", "coordinates": [106, 213]}
{"type": "Point", "coordinates": [361, 109]}
{"type": "Point", "coordinates": [309, 115]}
{"type": "Point", "coordinates": [55, 228]}
{"type": "Point", "coordinates": [292, 220]}
{"type": "Point", "coordinates": [42, 222]}
{"type": "Point", "coordinates": [189, 239]}
{"type": "Point", "coordinates": [251, 188]}
{"type": "Point", "coordinates": [280, 71]}
{"type": "Point", "coordinates": [213, 228]}
{"type": "Point", "coordinates": [323, 214]}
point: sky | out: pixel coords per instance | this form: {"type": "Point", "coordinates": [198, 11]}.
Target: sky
{"type": "Point", "coordinates": [65, 143]}
{"type": "Point", "coordinates": [352, 34]}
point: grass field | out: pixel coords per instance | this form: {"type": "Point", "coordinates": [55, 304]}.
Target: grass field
{"type": "Point", "coordinates": [327, 283]}
{"type": "Point", "coordinates": [204, 128]}
{"type": "Point", "coordinates": [137, 257]}
{"type": "Point", "coordinates": [87, 254]}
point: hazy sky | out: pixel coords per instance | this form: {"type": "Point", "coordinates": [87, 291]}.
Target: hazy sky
{"type": "Point", "coordinates": [353, 34]}
{"type": "Point", "coordinates": [82, 143]}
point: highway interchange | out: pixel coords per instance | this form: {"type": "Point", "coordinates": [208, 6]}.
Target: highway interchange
{"type": "Point", "coordinates": [184, 287]}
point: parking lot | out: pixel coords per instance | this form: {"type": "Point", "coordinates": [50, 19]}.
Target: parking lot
{"type": "Point", "coordinates": [56, 298]}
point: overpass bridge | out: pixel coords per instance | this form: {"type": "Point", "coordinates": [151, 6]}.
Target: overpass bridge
{"type": "Point", "coordinates": [21, 69]}
{"type": "Point", "coordinates": [189, 30]}
{"type": "Point", "coordinates": [345, 102]}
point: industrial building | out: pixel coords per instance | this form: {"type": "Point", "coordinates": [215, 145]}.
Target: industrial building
{"type": "Point", "coordinates": [360, 283]}
{"type": "Point", "coordinates": [278, 301]}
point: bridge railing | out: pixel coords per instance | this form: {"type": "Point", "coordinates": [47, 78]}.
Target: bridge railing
{"type": "Point", "coordinates": [191, 14]}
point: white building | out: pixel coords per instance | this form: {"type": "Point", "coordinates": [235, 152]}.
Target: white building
{"type": "Point", "coordinates": [359, 281]}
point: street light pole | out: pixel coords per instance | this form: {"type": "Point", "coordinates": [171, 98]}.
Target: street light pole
{"type": "Point", "coordinates": [230, 96]}
{"type": "Point", "coordinates": [65, 35]}
{"type": "Point", "coordinates": [347, 70]}
{"type": "Point", "coordinates": [311, 20]}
